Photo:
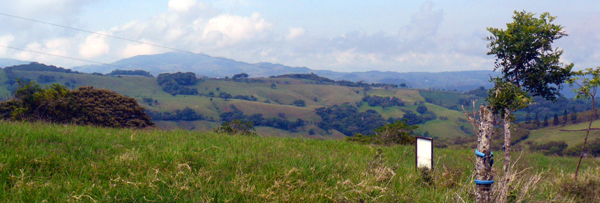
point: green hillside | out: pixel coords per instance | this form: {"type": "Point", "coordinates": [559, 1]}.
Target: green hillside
{"type": "Point", "coordinates": [62, 163]}
{"type": "Point", "coordinates": [273, 98]}
{"type": "Point", "coordinates": [572, 134]}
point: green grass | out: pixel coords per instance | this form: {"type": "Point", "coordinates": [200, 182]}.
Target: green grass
{"type": "Point", "coordinates": [62, 163]}
{"type": "Point", "coordinates": [571, 134]}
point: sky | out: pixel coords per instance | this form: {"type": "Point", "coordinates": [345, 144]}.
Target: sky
{"type": "Point", "coordinates": [344, 36]}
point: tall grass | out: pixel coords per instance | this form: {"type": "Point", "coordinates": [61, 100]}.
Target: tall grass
{"type": "Point", "coordinates": [60, 163]}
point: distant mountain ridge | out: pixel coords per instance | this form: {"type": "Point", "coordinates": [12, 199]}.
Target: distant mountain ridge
{"type": "Point", "coordinates": [205, 65]}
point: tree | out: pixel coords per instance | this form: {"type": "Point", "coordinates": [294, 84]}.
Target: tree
{"type": "Point", "coordinates": [240, 76]}
{"type": "Point", "coordinates": [574, 116]}
{"type": "Point", "coordinates": [299, 103]}
{"type": "Point", "coordinates": [525, 56]}
{"type": "Point", "coordinates": [565, 117]}
{"type": "Point", "coordinates": [555, 121]}
{"type": "Point", "coordinates": [588, 81]}
{"type": "Point", "coordinates": [527, 117]}
{"type": "Point", "coordinates": [536, 120]}
{"type": "Point", "coordinates": [546, 120]}
{"type": "Point", "coordinates": [84, 106]}
{"type": "Point", "coordinates": [421, 109]}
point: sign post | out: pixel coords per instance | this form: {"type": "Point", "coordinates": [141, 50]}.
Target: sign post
{"type": "Point", "coordinates": [424, 153]}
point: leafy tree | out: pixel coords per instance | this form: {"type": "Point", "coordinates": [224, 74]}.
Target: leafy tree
{"type": "Point", "coordinates": [555, 121]}
{"type": "Point", "coordinates": [299, 102]}
{"type": "Point", "coordinates": [527, 117]}
{"type": "Point", "coordinates": [398, 132]}
{"type": "Point", "coordinates": [240, 76]}
{"type": "Point", "coordinates": [236, 127]}
{"type": "Point", "coordinates": [84, 106]}
{"type": "Point", "coordinates": [574, 115]}
{"type": "Point", "coordinates": [545, 120]}
{"type": "Point", "coordinates": [565, 117]}
{"type": "Point", "coordinates": [130, 72]}
{"type": "Point", "coordinates": [587, 81]}
{"type": "Point", "coordinates": [421, 109]}
{"type": "Point", "coordinates": [536, 120]}
{"type": "Point", "coordinates": [529, 65]}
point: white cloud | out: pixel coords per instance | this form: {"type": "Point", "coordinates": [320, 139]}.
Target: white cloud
{"type": "Point", "coordinates": [229, 29]}
{"type": "Point", "coordinates": [139, 49]}
{"type": "Point", "coordinates": [94, 46]}
{"type": "Point", "coordinates": [5, 40]}
{"type": "Point", "coordinates": [295, 32]}
{"type": "Point", "coordinates": [182, 5]}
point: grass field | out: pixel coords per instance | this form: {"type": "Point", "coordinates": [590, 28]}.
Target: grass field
{"type": "Point", "coordinates": [571, 134]}
{"type": "Point", "coordinates": [61, 163]}
{"type": "Point", "coordinates": [287, 90]}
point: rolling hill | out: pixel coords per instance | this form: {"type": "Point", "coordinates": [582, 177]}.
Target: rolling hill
{"type": "Point", "coordinates": [273, 98]}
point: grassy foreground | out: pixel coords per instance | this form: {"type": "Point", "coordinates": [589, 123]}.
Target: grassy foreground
{"type": "Point", "coordinates": [60, 163]}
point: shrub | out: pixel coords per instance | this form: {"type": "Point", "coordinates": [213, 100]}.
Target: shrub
{"type": "Point", "coordinates": [236, 127]}
{"type": "Point", "coordinates": [85, 106]}
{"type": "Point", "coordinates": [393, 133]}
{"type": "Point", "coordinates": [299, 102]}
{"type": "Point", "coordinates": [552, 147]}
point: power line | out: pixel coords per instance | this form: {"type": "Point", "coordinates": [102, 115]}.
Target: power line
{"type": "Point", "coordinates": [96, 33]}
{"type": "Point", "coordinates": [67, 57]}
{"type": "Point", "coordinates": [106, 35]}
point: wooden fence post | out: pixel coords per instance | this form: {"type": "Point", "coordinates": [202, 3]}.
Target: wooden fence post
{"type": "Point", "coordinates": [483, 176]}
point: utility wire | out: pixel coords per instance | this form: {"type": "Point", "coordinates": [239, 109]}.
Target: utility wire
{"type": "Point", "coordinates": [77, 59]}
{"type": "Point", "coordinates": [106, 35]}
{"type": "Point", "coordinates": [96, 33]}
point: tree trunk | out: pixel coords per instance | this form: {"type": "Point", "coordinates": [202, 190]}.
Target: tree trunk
{"type": "Point", "coordinates": [483, 167]}
{"type": "Point", "coordinates": [504, 192]}
{"type": "Point", "coordinates": [586, 136]}
{"type": "Point", "coordinates": [506, 140]}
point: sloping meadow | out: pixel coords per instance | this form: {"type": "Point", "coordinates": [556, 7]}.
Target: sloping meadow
{"type": "Point", "coordinates": [60, 163]}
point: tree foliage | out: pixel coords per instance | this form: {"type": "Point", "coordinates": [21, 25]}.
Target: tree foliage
{"type": "Point", "coordinates": [175, 83]}
{"type": "Point", "coordinates": [130, 72]}
{"type": "Point", "coordinates": [398, 132]}
{"type": "Point", "coordinates": [84, 106]}
{"type": "Point", "coordinates": [525, 56]}
{"type": "Point", "coordinates": [347, 120]}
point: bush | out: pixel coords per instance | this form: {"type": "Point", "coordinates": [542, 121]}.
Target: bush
{"type": "Point", "coordinates": [421, 109]}
{"type": "Point", "coordinates": [393, 133]}
{"type": "Point", "coordinates": [85, 106]}
{"type": "Point", "coordinates": [236, 127]}
{"type": "Point", "coordinates": [552, 147]}
{"type": "Point", "coordinates": [299, 102]}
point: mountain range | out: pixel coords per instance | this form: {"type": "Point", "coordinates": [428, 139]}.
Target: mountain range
{"type": "Point", "coordinates": [219, 67]}
{"type": "Point", "coordinates": [205, 65]}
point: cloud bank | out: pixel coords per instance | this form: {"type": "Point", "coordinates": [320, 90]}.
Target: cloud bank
{"type": "Point", "coordinates": [201, 28]}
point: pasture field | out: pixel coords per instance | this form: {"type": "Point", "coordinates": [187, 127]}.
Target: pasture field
{"type": "Point", "coordinates": [572, 134]}
{"type": "Point", "coordinates": [62, 163]}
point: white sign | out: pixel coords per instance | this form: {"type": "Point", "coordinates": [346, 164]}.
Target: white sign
{"type": "Point", "coordinates": [424, 152]}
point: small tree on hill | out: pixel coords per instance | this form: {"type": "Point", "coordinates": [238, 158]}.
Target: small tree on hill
{"type": "Point", "coordinates": [587, 88]}
{"type": "Point", "coordinates": [421, 109]}
{"type": "Point", "coordinates": [565, 117]}
{"type": "Point", "coordinates": [574, 116]}
{"type": "Point", "coordinates": [555, 121]}
{"type": "Point", "coordinates": [525, 56]}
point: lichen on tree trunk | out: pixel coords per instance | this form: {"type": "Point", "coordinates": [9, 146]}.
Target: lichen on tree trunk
{"type": "Point", "coordinates": [483, 165]}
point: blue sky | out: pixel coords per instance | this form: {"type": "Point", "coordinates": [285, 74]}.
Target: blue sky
{"type": "Point", "coordinates": [401, 36]}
